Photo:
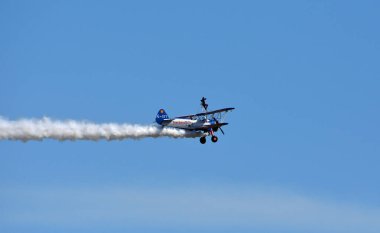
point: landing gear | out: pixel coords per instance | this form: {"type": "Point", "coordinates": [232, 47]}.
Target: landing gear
{"type": "Point", "coordinates": [213, 139]}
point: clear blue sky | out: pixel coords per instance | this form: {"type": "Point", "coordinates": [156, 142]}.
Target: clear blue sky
{"type": "Point", "coordinates": [301, 153]}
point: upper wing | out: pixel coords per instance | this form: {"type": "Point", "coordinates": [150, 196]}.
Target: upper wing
{"type": "Point", "coordinates": [208, 113]}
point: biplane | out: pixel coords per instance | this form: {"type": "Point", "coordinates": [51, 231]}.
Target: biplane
{"type": "Point", "coordinates": [207, 122]}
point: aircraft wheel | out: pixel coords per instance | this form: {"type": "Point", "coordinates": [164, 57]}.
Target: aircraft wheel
{"type": "Point", "coordinates": [214, 138]}
{"type": "Point", "coordinates": [202, 140]}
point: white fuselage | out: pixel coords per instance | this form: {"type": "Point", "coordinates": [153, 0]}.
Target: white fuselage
{"type": "Point", "coordinates": [190, 124]}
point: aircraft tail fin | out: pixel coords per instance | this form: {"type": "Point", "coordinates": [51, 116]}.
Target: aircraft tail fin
{"type": "Point", "coordinates": [161, 116]}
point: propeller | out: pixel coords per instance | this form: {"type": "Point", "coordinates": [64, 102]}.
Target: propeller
{"type": "Point", "coordinates": [218, 126]}
{"type": "Point", "coordinates": [221, 130]}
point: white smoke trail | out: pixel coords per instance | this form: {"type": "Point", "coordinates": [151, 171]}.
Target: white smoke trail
{"type": "Point", "coordinates": [45, 128]}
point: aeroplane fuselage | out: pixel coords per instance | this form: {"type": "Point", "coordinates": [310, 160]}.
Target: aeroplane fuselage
{"type": "Point", "coordinates": [192, 124]}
